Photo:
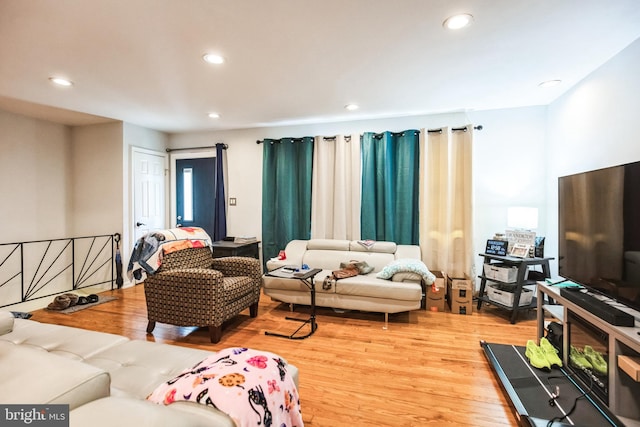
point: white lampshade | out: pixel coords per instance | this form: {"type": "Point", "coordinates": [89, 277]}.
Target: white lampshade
{"type": "Point", "coordinates": [522, 218]}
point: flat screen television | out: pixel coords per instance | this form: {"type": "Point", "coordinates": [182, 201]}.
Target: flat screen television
{"type": "Point", "coordinates": [599, 231]}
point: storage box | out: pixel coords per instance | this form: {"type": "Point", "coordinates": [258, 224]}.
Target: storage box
{"type": "Point", "coordinates": [460, 295]}
{"type": "Point", "coordinates": [459, 289]}
{"type": "Point", "coordinates": [461, 307]}
{"type": "Point", "coordinates": [503, 294]}
{"type": "Point", "coordinates": [436, 294]}
{"type": "Point", "coordinates": [501, 272]}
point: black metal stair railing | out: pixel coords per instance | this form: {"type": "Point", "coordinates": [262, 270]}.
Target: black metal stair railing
{"type": "Point", "coordinates": [44, 268]}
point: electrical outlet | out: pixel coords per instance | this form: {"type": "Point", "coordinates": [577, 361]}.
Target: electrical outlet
{"type": "Point", "coordinates": [232, 201]}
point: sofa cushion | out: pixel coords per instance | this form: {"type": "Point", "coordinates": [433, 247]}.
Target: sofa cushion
{"type": "Point", "coordinates": [6, 322]}
{"type": "Point", "coordinates": [28, 375]}
{"type": "Point", "coordinates": [272, 282]}
{"type": "Point", "coordinates": [325, 259]}
{"type": "Point", "coordinates": [328, 244]}
{"type": "Point", "coordinates": [137, 367]}
{"type": "Point", "coordinates": [379, 247]}
{"type": "Point", "coordinates": [370, 286]}
{"type": "Point", "coordinates": [407, 265]}
{"type": "Point", "coordinates": [331, 260]}
{"type": "Point", "coordinates": [73, 343]}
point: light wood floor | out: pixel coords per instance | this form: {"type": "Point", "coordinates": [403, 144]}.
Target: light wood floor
{"type": "Point", "coordinates": [427, 369]}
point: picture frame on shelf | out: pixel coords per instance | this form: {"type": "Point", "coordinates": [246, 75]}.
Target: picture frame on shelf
{"type": "Point", "coordinates": [496, 247]}
{"type": "Point", "coordinates": [520, 250]}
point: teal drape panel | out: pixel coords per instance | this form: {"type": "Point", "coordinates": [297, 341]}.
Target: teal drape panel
{"type": "Point", "coordinates": [390, 181]}
{"type": "Point", "coordinates": [286, 193]}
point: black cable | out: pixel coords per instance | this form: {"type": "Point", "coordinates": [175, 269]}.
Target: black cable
{"type": "Point", "coordinates": [575, 402]}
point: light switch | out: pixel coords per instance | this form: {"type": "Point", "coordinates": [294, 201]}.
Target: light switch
{"type": "Point", "coordinates": [232, 201]}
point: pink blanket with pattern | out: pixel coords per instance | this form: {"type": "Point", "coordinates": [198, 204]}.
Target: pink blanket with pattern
{"type": "Point", "coordinates": [252, 387]}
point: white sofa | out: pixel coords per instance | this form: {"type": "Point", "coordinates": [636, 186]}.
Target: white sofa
{"type": "Point", "coordinates": [404, 292]}
{"type": "Point", "coordinates": [104, 378]}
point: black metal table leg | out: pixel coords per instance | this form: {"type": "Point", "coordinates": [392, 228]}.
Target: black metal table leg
{"type": "Point", "coordinates": [307, 279]}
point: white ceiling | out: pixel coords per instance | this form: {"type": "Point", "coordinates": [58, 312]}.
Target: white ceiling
{"type": "Point", "coordinates": [296, 61]}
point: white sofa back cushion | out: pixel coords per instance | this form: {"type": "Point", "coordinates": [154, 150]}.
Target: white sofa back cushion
{"type": "Point", "coordinates": [328, 244]}
{"type": "Point", "coordinates": [331, 260]}
{"type": "Point", "coordinates": [377, 247]}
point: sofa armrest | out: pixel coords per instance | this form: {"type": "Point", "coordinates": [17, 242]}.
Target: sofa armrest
{"type": "Point", "coordinates": [274, 264]}
{"type": "Point", "coordinates": [294, 250]}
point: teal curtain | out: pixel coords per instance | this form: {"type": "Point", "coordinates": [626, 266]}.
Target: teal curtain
{"type": "Point", "coordinates": [286, 193]}
{"type": "Point", "coordinates": [390, 183]}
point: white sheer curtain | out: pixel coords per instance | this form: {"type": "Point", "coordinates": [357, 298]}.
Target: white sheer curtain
{"type": "Point", "coordinates": [446, 201]}
{"type": "Point", "coordinates": [336, 184]}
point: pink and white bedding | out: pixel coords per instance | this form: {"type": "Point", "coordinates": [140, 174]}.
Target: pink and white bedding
{"type": "Point", "coordinates": [252, 387]}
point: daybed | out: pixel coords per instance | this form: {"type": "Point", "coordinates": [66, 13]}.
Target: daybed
{"type": "Point", "coordinates": [404, 292]}
{"type": "Point", "coordinates": [104, 378]}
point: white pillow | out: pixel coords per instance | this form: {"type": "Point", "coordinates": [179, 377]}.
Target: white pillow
{"type": "Point", "coordinates": [407, 265]}
{"type": "Point", "coordinates": [6, 322]}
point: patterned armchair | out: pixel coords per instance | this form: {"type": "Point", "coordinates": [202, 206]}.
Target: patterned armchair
{"type": "Point", "coordinates": [191, 288]}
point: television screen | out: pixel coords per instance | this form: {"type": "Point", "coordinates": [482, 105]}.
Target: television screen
{"type": "Point", "coordinates": [599, 231]}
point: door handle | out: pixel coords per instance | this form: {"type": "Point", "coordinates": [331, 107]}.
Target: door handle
{"type": "Point", "coordinates": [139, 224]}
{"type": "Point", "coordinates": [179, 217]}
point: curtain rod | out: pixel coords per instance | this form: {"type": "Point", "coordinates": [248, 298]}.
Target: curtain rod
{"type": "Point", "coordinates": [169, 150]}
{"type": "Point", "coordinates": [333, 138]}
{"type": "Point", "coordinates": [280, 140]}
{"type": "Point", "coordinates": [464, 129]}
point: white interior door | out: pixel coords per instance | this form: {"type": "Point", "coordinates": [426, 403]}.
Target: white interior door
{"type": "Point", "coordinates": [149, 189]}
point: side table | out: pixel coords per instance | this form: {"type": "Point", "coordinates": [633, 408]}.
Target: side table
{"type": "Point", "coordinates": [523, 265]}
{"type": "Point", "coordinates": [306, 277]}
{"type": "Point", "coordinates": [224, 248]}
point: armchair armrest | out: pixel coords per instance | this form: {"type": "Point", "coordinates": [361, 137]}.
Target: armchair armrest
{"type": "Point", "coordinates": [234, 266]}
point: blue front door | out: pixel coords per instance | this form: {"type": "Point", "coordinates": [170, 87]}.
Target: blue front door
{"type": "Point", "coordinates": [195, 193]}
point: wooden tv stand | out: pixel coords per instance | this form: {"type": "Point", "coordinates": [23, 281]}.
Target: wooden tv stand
{"type": "Point", "coordinates": [624, 391]}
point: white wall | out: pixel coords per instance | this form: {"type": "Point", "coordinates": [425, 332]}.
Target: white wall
{"type": "Point", "coordinates": [96, 161]}
{"type": "Point", "coordinates": [594, 126]}
{"type": "Point", "coordinates": [509, 161]}
{"type": "Point", "coordinates": [35, 176]}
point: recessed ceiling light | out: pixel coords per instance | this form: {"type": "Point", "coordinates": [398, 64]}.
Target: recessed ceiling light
{"type": "Point", "coordinates": [214, 115]}
{"type": "Point", "coordinates": [60, 81]}
{"type": "Point", "coordinates": [550, 83]}
{"type": "Point", "coordinates": [351, 107]}
{"type": "Point", "coordinates": [457, 22]}
{"type": "Point", "coordinates": [213, 58]}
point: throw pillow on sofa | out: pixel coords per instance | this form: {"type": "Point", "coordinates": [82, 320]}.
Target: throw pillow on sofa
{"type": "Point", "coordinates": [407, 266]}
